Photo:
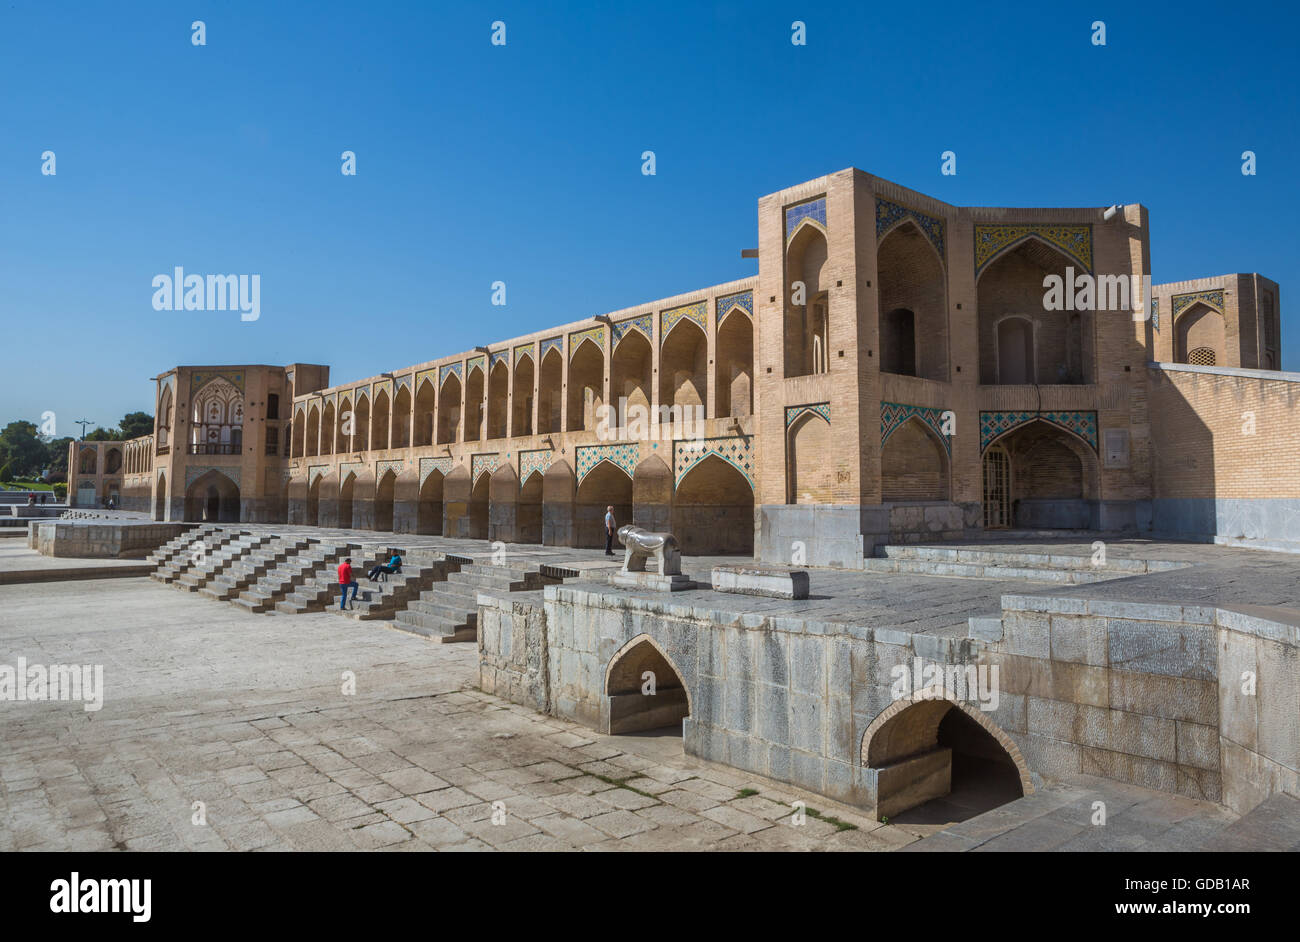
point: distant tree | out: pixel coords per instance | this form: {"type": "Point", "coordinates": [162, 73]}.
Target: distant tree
{"type": "Point", "coordinates": [56, 455]}
{"type": "Point", "coordinates": [104, 435]}
{"type": "Point", "coordinates": [135, 424]}
{"type": "Point", "coordinates": [21, 448]}
{"type": "Point", "coordinates": [6, 473]}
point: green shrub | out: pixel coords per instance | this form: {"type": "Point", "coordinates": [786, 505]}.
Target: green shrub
{"type": "Point", "coordinates": [6, 472]}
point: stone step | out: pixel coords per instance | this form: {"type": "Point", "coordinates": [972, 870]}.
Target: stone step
{"type": "Point", "coordinates": [509, 580]}
{"type": "Point", "coordinates": [1115, 566]}
{"type": "Point", "coordinates": [434, 627]}
{"type": "Point", "coordinates": [453, 612]}
{"type": "Point", "coordinates": [981, 571]}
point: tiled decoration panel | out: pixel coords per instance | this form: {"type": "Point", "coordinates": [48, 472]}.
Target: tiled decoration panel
{"type": "Point", "coordinates": [449, 369]}
{"type": "Point", "coordinates": [193, 473]}
{"type": "Point", "coordinates": [991, 239]}
{"type": "Point", "coordinates": [551, 343]}
{"type": "Point", "coordinates": [792, 413]}
{"type": "Point", "coordinates": [429, 465]}
{"type": "Point", "coordinates": [644, 323]}
{"type": "Point", "coordinates": [736, 450]}
{"type": "Point", "coordinates": [744, 300]}
{"type": "Point", "coordinates": [595, 335]}
{"type": "Point", "coordinates": [480, 463]}
{"type": "Point", "coordinates": [813, 209]}
{"type": "Point", "coordinates": [202, 377]}
{"type": "Point", "coordinates": [1181, 302]}
{"type": "Point", "coordinates": [531, 461]}
{"type": "Point", "coordinates": [994, 424]}
{"type": "Point", "coordinates": [894, 414]}
{"type": "Point", "coordinates": [890, 214]}
{"type": "Point", "coordinates": [623, 455]}
{"type": "Point", "coordinates": [383, 467]}
{"type": "Point", "coordinates": [697, 312]}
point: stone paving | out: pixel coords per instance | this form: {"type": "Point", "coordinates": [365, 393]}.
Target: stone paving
{"type": "Point", "coordinates": [247, 715]}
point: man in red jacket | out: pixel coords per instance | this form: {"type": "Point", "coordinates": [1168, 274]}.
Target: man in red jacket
{"type": "Point", "coordinates": [345, 580]}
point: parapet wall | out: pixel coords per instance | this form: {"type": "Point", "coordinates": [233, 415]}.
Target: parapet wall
{"type": "Point", "coordinates": [1152, 694]}
{"type": "Point", "coordinates": [1227, 456]}
{"type": "Point", "coordinates": [105, 539]}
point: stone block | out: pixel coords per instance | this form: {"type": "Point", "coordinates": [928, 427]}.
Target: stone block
{"type": "Point", "coordinates": [1197, 746]}
{"type": "Point", "coordinates": [771, 583]}
{"type": "Point", "coordinates": [1026, 634]}
{"type": "Point", "coordinates": [1177, 698]}
{"type": "Point", "coordinates": [1080, 639]}
{"type": "Point", "coordinates": [1168, 648]}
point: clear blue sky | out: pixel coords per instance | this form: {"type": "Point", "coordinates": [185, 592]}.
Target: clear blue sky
{"type": "Point", "coordinates": [522, 163]}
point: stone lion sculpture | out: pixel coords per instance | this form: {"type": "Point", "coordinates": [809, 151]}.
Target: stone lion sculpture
{"type": "Point", "coordinates": [641, 544]}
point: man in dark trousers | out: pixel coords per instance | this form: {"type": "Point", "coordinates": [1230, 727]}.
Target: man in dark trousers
{"type": "Point", "coordinates": [345, 580]}
{"type": "Point", "coordinates": [609, 530]}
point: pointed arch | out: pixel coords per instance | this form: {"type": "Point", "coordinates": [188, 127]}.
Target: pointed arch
{"type": "Point", "coordinates": [586, 383]}
{"type": "Point", "coordinates": [385, 489]}
{"type": "Point", "coordinates": [401, 437]}
{"type": "Point", "coordinates": [683, 366]}
{"type": "Point", "coordinates": [380, 417]}
{"type": "Point", "coordinates": [550, 391]}
{"type": "Point", "coordinates": [521, 423]}
{"type": "Point", "coordinates": [625, 707]}
{"type": "Point", "coordinates": [328, 427]}
{"type": "Point", "coordinates": [914, 464]}
{"type": "Point", "coordinates": [810, 476]}
{"type": "Point", "coordinates": [498, 396]}
{"type": "Point", "coordinates": [713, 510]}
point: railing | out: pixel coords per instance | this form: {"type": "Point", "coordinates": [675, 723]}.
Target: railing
{"type": "Point", "coordinates": [220, 449]}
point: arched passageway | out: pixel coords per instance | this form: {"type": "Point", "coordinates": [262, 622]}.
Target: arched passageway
{"type": "Point", "coordinates": [529, 510]}
{"type": "Point", "coordinates": [550, 391]}
{"type": "Point", "coordinates": [327, 431]}
{"type": "Point", "coordinates": [384, 502]}
{"type": "Point", "coordinates": [935, 761]}
{"type": "Point", "coordinates": [160, 498]}
{"type": "Point", "coordinates": [606, 484]}
{"type": "Point", "coordinates": [429, 515]}
{"type": "Point", "coordinates": [586, 386]}
{"type": "Point", "coordinates": [449, 410]}
{"type": "Point", "coordinates": [498, 400]}
{"type": "Point", "coordinates": [643, 690]}
{"type": "Point", "coordinates": [346, 492]}
{"type": "Point", "coordinates": [380, 419]}
{"type": "Point", "coordinates": [913, 465]}
{"type": "Point", "coordinates": [1039, 476]}
{"type": "Point", "coordinates": [735, 366]}
{"type": "Point", "coordinates": [810, 476]}
{"type": "Point", "coordinates": [425, 406]}
{"type": "Point", "coordinates": [401, 437]}
{"type": "Point", "coordinates": [630, 375]}
{"type": "Point", "coordinates": [212, 498]}
{"type": "Point", "coordinates": [474, 405]}
{"type": "Point", "coordinates": [361, 428]}
{"type": "Point", "coordinates": [807, 303]}
{"type": "Point", "coordinates": [912, 293]}
{"type": "Point", "coordinates": [479, 505]}
{"type": "Point", "coordinates": [522, 422]}
{"type": "Point", "coordinates": [313, 503]}
{"type": "Point", "coordinates": [713, 510]}
{"type": "Point", "coordinates": [1020, 342]}
{"type": "Point", "coordinates": [683, 369]}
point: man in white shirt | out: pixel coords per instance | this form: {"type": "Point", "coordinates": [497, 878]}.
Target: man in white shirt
{"type": "Point", "coordinates": [609, 530]}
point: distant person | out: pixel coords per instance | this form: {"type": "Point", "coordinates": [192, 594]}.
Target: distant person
{"type": "Point", "coordinates": [31, 500]}
{"type": "Point", "coordinates": [609, 530]}
{"type": "Point", "coordinates": [346, 580]}
{"type": "Point", "coordinates": [393, 565]}
{"type": "Point", "coordinates": [112, 503]}
{"type": "Point", "coordinates": [43, 496]}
